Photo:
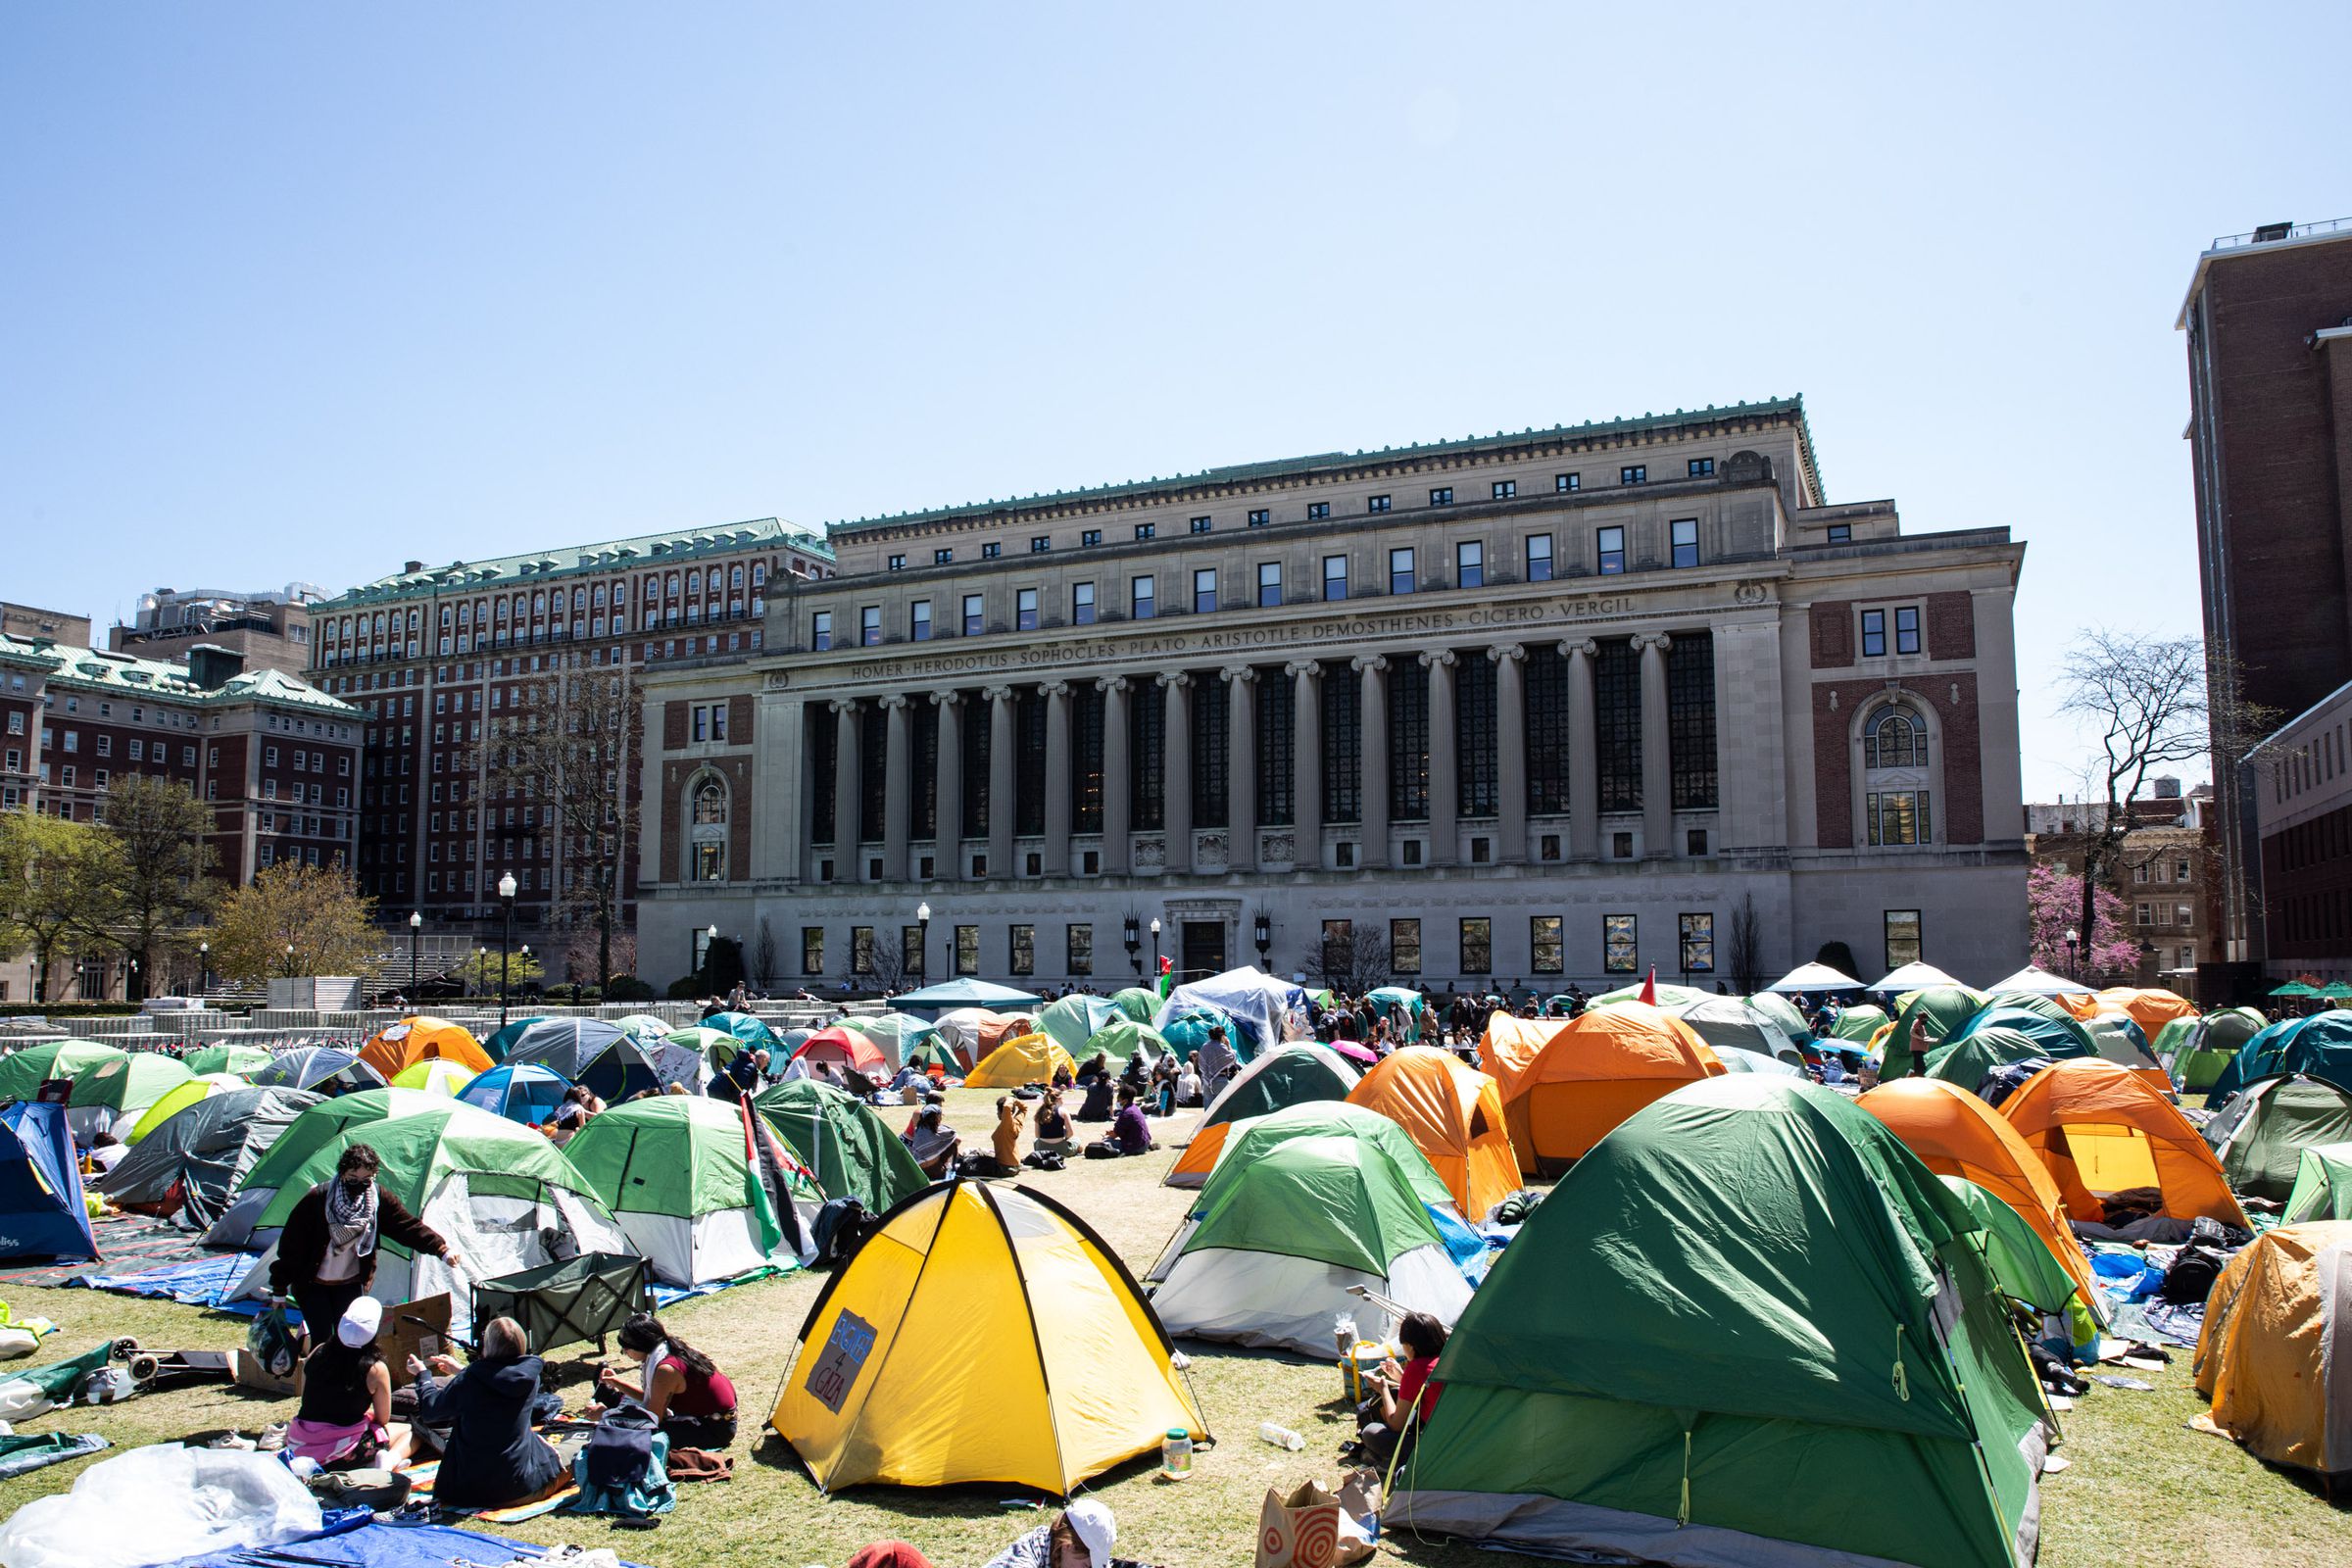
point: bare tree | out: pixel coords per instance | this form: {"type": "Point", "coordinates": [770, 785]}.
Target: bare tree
{"type": "Point", "coordinates": [764, 955]}
{"type": "Point", "coordinates": [567, 746]}
{"type": "Point", "coordinates": [2156, 702]}
{"type": "Point", "coordinates": [884, 962]}
{"type": "Point", "coordinates": [1747, 946]}
{"type": "Point", "coordinates": [1353, 957]}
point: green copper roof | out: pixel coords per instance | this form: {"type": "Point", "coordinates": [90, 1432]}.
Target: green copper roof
{"type": "Point", "coordinates": [1293, 467]}
{"type": "Point", "coordinates": [123, 676]}
{"type": "Point", "coordinates": [617, 555]}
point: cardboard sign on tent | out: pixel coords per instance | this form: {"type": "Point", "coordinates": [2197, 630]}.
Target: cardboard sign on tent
{"type": "Point", "coordinates": [1747, 1286]}
{"type": "Point", "coordinates": [401, 1045]}
{"type": "Point", "coordinates": [1289, 1075]}
{"type": "Point", "coordinates": [982, 1334]}
{"type": "Point", "coordinates": [42, 1212]}
{"type": "Point", "coordinates": [2100, 1129]}
{"type": "Point", "coordinates": [1029, 1059]}
{"type": "Point", "coordinates": [2272, 1356]}
{"type": "Point", "coordinates": [1454, 1114]}
{"type": "Point", "coordinates": [1596, 1071]}
{"type": "Point", "coordinates": [2260, 1136]}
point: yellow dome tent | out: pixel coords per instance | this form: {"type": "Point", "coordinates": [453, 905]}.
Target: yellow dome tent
{"type": "Point", "coordinates": [1030, 1356]}
{"type": "Point", "coordinates": [2266, 1354]}
{"type": "Point", "coordinates": [1031, 1059]}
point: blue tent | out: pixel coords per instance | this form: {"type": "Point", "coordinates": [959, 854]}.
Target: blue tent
{"type": "Point", "coordinates": [522, 1092]}
{"type": "Point", "coordinates": [744, 1027]}
{"type": "Point", "coordinates": [43, 1214]}
{"type": "Point", "coordinates": [2057, 1039]}
{"type": "Point", "coordinates": [499, 1044]}
{"type": "Point", "coordinates": [2319, 1045]}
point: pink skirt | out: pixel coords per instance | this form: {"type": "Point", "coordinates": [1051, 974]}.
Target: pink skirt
{"type": "Point", "coordinates": [332, 1444]}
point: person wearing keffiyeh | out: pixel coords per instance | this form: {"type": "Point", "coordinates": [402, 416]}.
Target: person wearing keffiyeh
{"type": "Point", "coordinates": [328, 1252]}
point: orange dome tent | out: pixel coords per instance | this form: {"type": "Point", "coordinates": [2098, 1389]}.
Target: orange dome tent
{"type": "Point", "coordinates": [844, 1047]}
{"type": "Point", "coordinates": [1510, 1044]}
{"type": "Point", "coordinates": [2101, 1128]}
{"type": "Point", "coordinates": [1596, 1071]}
{"type": "Point", "coordinates": [1956, 1134]}
{"type": "Point", "coordinates": [2151, 1008]}
{"type": "Point", "coordinates": [1454, 1116]}
{"type": "Point", "coordinates": [397, 1047]}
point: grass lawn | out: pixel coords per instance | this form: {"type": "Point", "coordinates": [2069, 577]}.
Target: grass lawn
{"type": "Point", "coordinates": [2142, 1487]}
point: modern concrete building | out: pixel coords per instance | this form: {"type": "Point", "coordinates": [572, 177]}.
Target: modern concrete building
{"type": "Point", "coordinates": [268, 630]}
{"type": "Point", "coordinates": [2268, 325]}
{"type": "Point", "coordinates": [1531, 707]}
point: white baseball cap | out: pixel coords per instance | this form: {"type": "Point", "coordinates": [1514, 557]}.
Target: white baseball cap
{"type": "Point", "coordinates": [361, 1321]}
{"type": "Point", "coordinates": [1092, 1523]}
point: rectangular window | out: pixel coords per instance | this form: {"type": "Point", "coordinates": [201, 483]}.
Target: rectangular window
{"type": "Point", "coordinates": [918, 621]}
{"type": "Point", "coordinates": [1478, 945]}
{"type": "Point", "coordinates": [1565, 482]}
{"type": "Point", "coordinates": [1546, 952]}
{"type": "Point", "coordinates": [1078, 949]}
{"type": "Point", "coordinates": [1400, 571]}
{"type": "Point", "coordinates": [1701, 468]}
{"type": "Point", "coordinates": [1505, 489]}
{"type": "Point", "coordinates": [1842, 533]}
{"type": "Point", "coordinates": [861, 950]}
{"type": "Point", "coordinates": [974, 617]}
{"type": "Point", "coordinates": [1539, 557]}
{"type": "Point", "coordinates": [870, 626]}
{"type": "Point", "coordinates": [1260, 517]}
{"type": "Point", "coordinates": [1404, 947]}
{"type": "Point", "coordinates": [1338, 937]}
{"type": "Point", "coordinates": [1039, 544]}
{"type": "Point", "coordinates": [1685, 539]}
{"type": "Point", "coordinates": [1202, 525]}
{"type": "Point", "coordinates": [1269, 584]}
{"type": "Point", "coordinates": [1442, 496]}
{"type": "Point", "coordinates": [1612, 552]}
{"type": "Point", "coordinates": [1318, 510]}
{"type": "Point", "coordinates": [1334, 578]}
{"type": "Point", "coordinates": [1024, 610]}
{"type": "Point", "coordinates": [1082, 604]}
{"type": "Point", "coordinates": [968, 950]}
{"type": "Point", "coordinates": [1204, 590]}
{"type": "Point", "coordinates": [1139, 598]}
{"type": "Point", "coordinates": [1874, 633]}
{"type": "Point", "coordinates": [1697, 934]}
{"type": "Point", "coordinates": [1897, 816]}
{"type": "Point", "coordinates": [1906, 629]}
{"type": "Point", "coordinates": [1634, 473]}
{"type": "Point", "coordinates": [812, 950]}
{"type": "Point", "coordinates": [1377, 503]}
{"type": "Point", "coordinates": [1904, 938]}
{"type": "Point", "coordinates": [942, 557]}
{"type": "Point", "coordinates": [992, 551]}
{"type": "Point", "coordinates": [1024, 949]}
{"type": "Point", "coordinates": [1090, 538]}
{"type": "Point", "coordinates": [1619, 947]}
{"type": "Point", "coordinates": [897, 563]}
{"type": "Point", "coordinates": [1469, 565]}
{"type": "Point", "coordinates": [1146, 530]}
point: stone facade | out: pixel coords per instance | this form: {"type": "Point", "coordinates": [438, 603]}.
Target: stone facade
{"type": "Point", "coordinates": [1536, 707]}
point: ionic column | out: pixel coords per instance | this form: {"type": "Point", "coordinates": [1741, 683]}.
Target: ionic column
{"type": "Point", "coordinates": [1374, 728]}
{"type": "Point", "coordinates": [898, 784]}
{"type": "Point", "coordinates": [1445, 777]}
{"type": "Point", "coordinates": [1306, 763]}
{"type": "Point", "coordinates": [847, 732]}
{"type": "Point", "coordinates": [1584, 753]}
{"type": "Point", "coordinates": [1116, 781]}
{"type": "Point", "coordinates": [1658, 752]}
{"type": "Point", "coordinates": [1241, 755]}
{"type": "Point", "coordinates": [1510, 751]}
{"type": "Point", "coordinates": [1002, 811]}
{"type": "Point", "coordinates": [1176, 772]}
{"type": "Point", "coordinates": [1056, 859]}
{"type": "Point", "coordinates": [947, 844]}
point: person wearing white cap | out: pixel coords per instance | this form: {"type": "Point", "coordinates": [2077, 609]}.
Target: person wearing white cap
{"type": "Point", "coordinates": [345, 1419]}
{"type": "Point", "coordinates": [1080, 1537]}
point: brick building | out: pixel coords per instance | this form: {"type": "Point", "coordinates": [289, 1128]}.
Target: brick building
{"type": "Point", "coordinates": [2268, 320]}
{"type": "Point", "coordinates": [268, 630]}
{"type": "Point", "coordinates": [2298, 783]}
{"type": "Point", "coordinates": [435, 656]}
{"type": "Point", "coordinates": [2167, 876]}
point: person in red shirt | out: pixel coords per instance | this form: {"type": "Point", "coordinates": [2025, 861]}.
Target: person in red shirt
{"type": "Point", "coordinates": [1397, 1391]}
{"type": "Point", "coordinates": [691, 1399]}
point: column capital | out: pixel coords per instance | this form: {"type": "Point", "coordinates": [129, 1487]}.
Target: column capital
{"type": "Point", "coordinates": [1173, 678]}
{"type": "Point", "coordinates": [1107, 684]}
{"type": "Point", "coordinates": [1054, 688]}
{"type": "Point", "coordinates": [895, 701]}
{"type": "Point", "coordinates": [842, 705]}
{"type": "Point", "coordinates": [1644, 641]}
{"type": "Point", "coordinates": [1370, 661]}
{"type": "Point", "coordinates": [946, 698]}
{"type": "Point", "coordinates": [1303, 666]}
{"type": "Point", "coordinates": [1579, 646]}
{"type": "Point", "coordinates": [1244, 673]}
{"type": "Point", "coordinates": [997, 694]}
{"type": "Point", "coordinates": [1435, 657]}
{"type": "Point", "coordinates": [1506, 652]}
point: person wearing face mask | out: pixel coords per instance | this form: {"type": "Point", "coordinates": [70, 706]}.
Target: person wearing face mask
{"type": "Point", "coordinates": [328, 1252]}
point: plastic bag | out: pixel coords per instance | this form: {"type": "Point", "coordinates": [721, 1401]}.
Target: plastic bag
{"type": "Point", "coordinates": [271, 1342]}
{"type": "Point", "coordinates": [184, 1501]}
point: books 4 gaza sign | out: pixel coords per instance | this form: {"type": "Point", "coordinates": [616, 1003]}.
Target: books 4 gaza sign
{"type": "Point", "coordinates": [835, 1370]}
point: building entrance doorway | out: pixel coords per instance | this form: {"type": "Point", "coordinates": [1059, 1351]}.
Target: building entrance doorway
{"type": "Point", "coordinates": [1203, 951]}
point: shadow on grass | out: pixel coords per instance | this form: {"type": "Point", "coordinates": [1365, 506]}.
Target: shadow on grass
{"type": "Point", "coordinates": [974, 1500]}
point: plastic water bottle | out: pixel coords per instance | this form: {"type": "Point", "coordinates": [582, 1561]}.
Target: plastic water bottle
{"type": "Point", "coordinates": [1176, 1454]}
{"type": "Point", "coordinates": [1280, 1436]}
{"type": "Point", "coordinates": [1343, 1331]}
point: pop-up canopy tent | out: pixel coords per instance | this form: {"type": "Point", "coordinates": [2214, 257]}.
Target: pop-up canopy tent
{"type": "Point", "coordinates": [311, 1129]}
{"type": "Point", "coordinates": [1454, 1114]}
{"type": "Point", "coordinates": [23, 1073]}
{"type": "Point", "coordinates": [42, 1212]}
{"type": "Point", "coordinates": [188, 1167]}
{"type": "Point", "coordinates": [1814, 977]}
{"type": "Point", "coordinates": [2260, 1136]}
{"type": "Point", "coordinates": [1593, 1073]}
{"type": "Point", "coordinates": [2271, 1356]}
{"type": "Point", "coordinates": [1278, 1237]}
{"type": "Point", "coordinates": [676, 1172]}
{"type": "Point", "coordinates": [2323, 1187]}
{"type": "Point", "coordinates": [982, 1334]}
{"type": "Point", "coordinates": [324, 1069]}
{"type": "Point", "coordinates": [1029, 1059]}
{"type": "Point", "coordinates": [964, 992]}
{"type": "Point", "coordinates": [1258, 1004]}
{"type": "Point", "coordinates": [2100, 1129]}
{"type": "Point", "coordinates": [1287, 1076]}
{"type": "Point", "coordinates": [2035, 981]}
{"type": "Point", "coordinates": [400, 1046]}
{"type": "Point", "coordinates": [848, 1149]}
{"type": "Point", "coordinates": [1747, 1284]}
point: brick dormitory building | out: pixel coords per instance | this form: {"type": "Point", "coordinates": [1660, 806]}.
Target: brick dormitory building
{"type": "Point", "coordinates": [1554, 706]}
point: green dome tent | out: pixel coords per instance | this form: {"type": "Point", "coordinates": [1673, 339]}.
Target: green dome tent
{"type": "Point", "coordinates": [847, 1148]}
{"type": "Point", "coordinates": [2323, 1187]}
{"type": "Point", "coordinates": [1967, 1061]}
{"type": "Point", "coordinates": [2022, 1262]}
{"type": "Point", "coordinates": [1136, 1002]}
{"type": "Point", "coordinates": [1284, 1076]}
{"type": "Point", "coordinates": [1944, 1008]}
{"type": "Point", "coordinates": [205, 1060]}
{"type": "Point", "coordinates": [2032, 1002]}
{"type": "Point", "coordinates": [113, 1095]}
{"type": "Point", "coordinates": [677, 1173]}
{"type": "Point", "coordinates": [315, 1126]}
{"type": "Point", "coordinates": [2260, 1136]}
{"type": "Point", "coordinates": [23, 1073]}
{"type": "Point", "coordinates": [2212, 1040]}
{"type": "Point", "coordinates": [896, 1032]}
{"type": "Point", "coordinates": [1748, 1285]}
{"type": "Point", "coordinates": [1122, 1038]}
{"type": "Point", "coordinates": [1073, 1020]}
{"type": "Point", "coordinates": [2319, 1045]}
{"type": "Point", "coordinates": [1780, 1010]}
{"type": "Point", "coordinates": [1858, 1023]}
{"type": "Point", "coordinates": [1259, 1136]}
{"type": "Point", "coordinates": [2058, 1037]}
{"type": "Point", "coordinates": [1670, 997]}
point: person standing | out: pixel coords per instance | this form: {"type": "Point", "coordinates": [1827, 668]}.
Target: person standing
{"type": "Point", "coordinates": [326, 1254]}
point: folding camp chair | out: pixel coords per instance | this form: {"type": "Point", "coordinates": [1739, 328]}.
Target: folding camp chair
{"type": "Point", "coordinates": [570, 1302]}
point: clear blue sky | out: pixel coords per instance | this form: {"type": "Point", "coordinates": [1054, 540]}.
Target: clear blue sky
{"type": "Point", "coordinates": [298, 292]}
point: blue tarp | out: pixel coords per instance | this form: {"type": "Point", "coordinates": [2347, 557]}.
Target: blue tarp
{"type": "Point", "coordinates": [42, 1212]}
{"type": "Point", "coordinates": [194, 1282]}
{"type": "Point", "coordinates": [350, 1540]}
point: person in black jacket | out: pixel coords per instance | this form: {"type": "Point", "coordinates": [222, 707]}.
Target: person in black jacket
{"type": "Point", "coordinates": [326, 1253]}
{"type": "Point", "coordinates": [493, 1460]}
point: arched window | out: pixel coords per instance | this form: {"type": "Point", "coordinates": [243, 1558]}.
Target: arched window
{"type": "Point", "coordinates": [707, 832]}
{"type": "Point", "coordinates": [1895, 797]}
{"type": "Point", "coordinates": [1896, 738]}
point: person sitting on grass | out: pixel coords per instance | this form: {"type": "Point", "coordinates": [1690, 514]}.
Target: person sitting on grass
{"type": "Point", "coordinates": [1188, 1083]}
{"type": "Point", "coordinates": [1080, 1537]}
{"type": "Point", "coordinates": [1010, 1115]}
{"type": "Point", "coordinates": [888, 1554]}
{"type": "Point", "coordinates": [1130, 1132]}
{"type": "Point", "coordinates": [933, 1146]}
{"type": "Point", "coordinates": [1052, 1126]}
{"type": "Point", "coordinates": [1095, 1078]}
{"type": "Point", "coordinates": [345, 1419]}
{"type": "Point", "coordinates": [1395, 1390]}
{"type": "Point", "coordinates": [683, 1389]}
{"type": "Point", "coordinates": [493, 1460]}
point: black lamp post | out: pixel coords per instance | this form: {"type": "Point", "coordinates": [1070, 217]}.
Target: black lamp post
{"type": "Point", "coordinates": [2074, 967]}
{"type": "Point", "coordinates": [1265, 938]}
{"type": "Point", "coordinates": [415, 941]}
{"type": "Point", "coordinates": [505, 939]}
{"type": "Point", "coordinates": [922, 940]}
{"type": "Point", "coordinates": [1134, 947]}
{"type": "Point", "coordinates": [204, 967]}
{"type": "Point", "coordinates": [1156, 949]}
{"type": "Point", "coordinates": [289, 960]}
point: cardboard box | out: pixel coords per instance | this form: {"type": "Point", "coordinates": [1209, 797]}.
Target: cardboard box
{"type": "Point", "coordinates": [418, 1328]}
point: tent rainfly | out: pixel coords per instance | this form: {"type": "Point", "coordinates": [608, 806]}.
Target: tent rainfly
{"type": "Point", "coordinates": [1814, 977]}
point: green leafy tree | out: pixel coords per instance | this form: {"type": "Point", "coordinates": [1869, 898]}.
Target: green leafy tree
{"type": "Point", "coordinates": [58, 882]}
{"type": "Point", "coordinates": [479, 970]}
{"type": "Point", "coordinates": [295, 919]}
{"type": "Point", "coordinates": [163, 888]}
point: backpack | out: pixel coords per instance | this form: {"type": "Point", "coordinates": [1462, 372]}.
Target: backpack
{"type": "Point", "coordinates": [384, 1490]}
{"type": "Point", "coordinates": [839, 1231]}
{"type": "Point", "coordinates": [1043, 1159]}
